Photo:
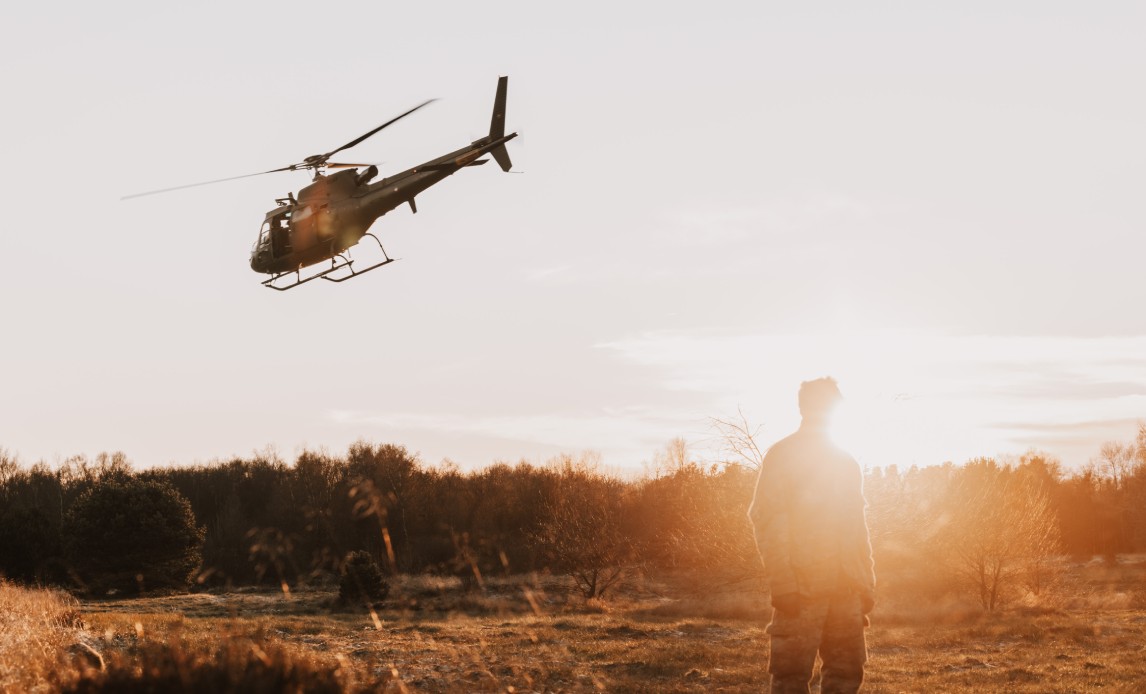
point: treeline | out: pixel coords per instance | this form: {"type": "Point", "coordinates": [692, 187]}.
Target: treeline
{"type": "Point", "coordinates": [264, 521]}
{"type": "Point", "coordinates": [987, 527]}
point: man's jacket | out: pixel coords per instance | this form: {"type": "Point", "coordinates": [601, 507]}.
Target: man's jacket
{"type": "Point", "coordinates": [808, 514]}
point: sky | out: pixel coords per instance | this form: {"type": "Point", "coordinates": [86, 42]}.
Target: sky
{"type": "Point", "coordinates": [939, 204]}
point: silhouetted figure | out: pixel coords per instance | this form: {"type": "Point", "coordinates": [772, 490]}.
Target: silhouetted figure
{"type": "Point", "coordinates": [808, 515]}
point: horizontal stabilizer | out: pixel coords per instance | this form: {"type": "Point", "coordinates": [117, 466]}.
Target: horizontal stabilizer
{"type": "Point", "coordinates": [502, 157]}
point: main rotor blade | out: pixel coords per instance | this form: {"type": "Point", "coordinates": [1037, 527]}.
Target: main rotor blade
{"type": "Point", "coordinates": [380, 127]}
{"type": "Point", "coordinates": [203, 183]}
{"type": "Point", "coordinates": [312, 162]}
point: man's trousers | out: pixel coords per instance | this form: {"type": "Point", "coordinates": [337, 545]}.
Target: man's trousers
{"type": "Point", "coordinates": [831, 625]}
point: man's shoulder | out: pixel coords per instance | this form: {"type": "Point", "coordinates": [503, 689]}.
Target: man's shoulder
{"type": "Point", "coordinates": [783, 443]}
{"type": "Point", "coordinates": [782, 448]}
{"type": "Point", "coordinates": [843, 454]}
{"type": "Point", "coordinates": [803, 444]}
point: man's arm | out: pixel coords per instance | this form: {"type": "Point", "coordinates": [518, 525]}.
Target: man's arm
{"type": "Point", "coordinates": [770, 524]}
{"type": "Point", "coordinates": [861, 541]}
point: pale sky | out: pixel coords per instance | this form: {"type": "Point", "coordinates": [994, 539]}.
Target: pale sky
{"type": "Point", "coordinates": [940, 204]}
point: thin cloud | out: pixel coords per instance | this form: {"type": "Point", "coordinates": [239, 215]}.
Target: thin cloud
{"type": "Point", "coordinates": [1087, 429]}
{"type": "Point", "coordinates": [631, 430]}
{"type": "Point", "coordinates": [915, 399]}
{"type": "Point", "coordinates": [546, 273]}
{"type": "Point", "coordinates": [1075, 389]}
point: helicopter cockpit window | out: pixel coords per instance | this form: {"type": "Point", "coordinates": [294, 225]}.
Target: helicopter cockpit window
{"type": "Point", "coordinates": [264, 232]}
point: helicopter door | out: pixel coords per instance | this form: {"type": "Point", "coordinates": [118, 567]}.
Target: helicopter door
{"type": "Point", "coordinates": [280, 235]}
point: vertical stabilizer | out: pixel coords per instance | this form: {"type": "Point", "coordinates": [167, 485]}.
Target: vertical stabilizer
{"type": "Point", "coordinates": [497, 125]}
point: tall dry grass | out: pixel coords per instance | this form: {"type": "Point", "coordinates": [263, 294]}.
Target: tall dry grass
{"type": "Point", "coordinates": [44, 647]}
{"type": "Point", "coordinates": [231, 663]}
{"type": "Point", "coordinates": [37, 629]}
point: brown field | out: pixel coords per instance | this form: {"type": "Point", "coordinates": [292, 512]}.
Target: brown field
{"type": "Point", "coordinates": [536, 635]}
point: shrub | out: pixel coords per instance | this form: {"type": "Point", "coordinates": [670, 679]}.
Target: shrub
{"type": "Point", "coordinates": [362, 580]}
{"type": "Point", "coordinates": [584, 533]}
{"type": "Point", "coordinates": [128, 534]}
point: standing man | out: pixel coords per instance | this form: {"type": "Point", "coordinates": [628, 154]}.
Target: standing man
{"type": "Point", "coordinates": [808, 516]}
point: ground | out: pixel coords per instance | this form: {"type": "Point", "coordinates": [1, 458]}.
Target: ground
{"type": "Point", "coordinates": [535, 634]}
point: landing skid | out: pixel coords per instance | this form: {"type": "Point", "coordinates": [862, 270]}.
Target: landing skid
{"type": "Point", "coordinates": [350, 264]}
{"type": "Point", "coordinates": [337, 263]}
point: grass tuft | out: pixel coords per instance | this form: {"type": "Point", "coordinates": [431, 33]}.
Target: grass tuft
{"type": "Point", "coordinates": [40, 630]}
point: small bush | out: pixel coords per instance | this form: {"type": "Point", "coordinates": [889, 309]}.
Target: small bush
{"type": "Point", "coordinates": [362, 580]}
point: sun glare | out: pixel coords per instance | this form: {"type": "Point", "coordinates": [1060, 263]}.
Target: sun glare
{"type": "Point", "coordinates": [868, 430]}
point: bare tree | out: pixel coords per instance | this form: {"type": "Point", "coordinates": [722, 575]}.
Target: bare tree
{"type": "Point", "coordinates": [672, 459]}
{"type": "Point", "coordinates": [1136, 488]}
{"type": "Point", "coordinates": [738, 438]}
{"type": "Point", "coordinates": [1140, 442]}
{"type": "Point", "coordinates": [586, 542]}
{"type": "Point", "coordinates": [1001, 534]}
{"type": "Point", "coordinates": [9, 466]}
{"type": "Point", "coordinates": [583, 532]}
{"type": "Point", "coordinates": [1115, 462]}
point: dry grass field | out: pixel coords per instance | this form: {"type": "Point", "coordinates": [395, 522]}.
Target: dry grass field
{"type": "Point", "coordinates": [535, 635]}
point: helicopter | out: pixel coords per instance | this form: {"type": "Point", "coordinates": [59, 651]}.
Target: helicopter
{"type": "Point", "coordinates": [337, 209]}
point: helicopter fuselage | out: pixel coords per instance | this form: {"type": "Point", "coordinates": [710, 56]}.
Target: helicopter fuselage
{"type": "Point", "coordinates": [335, 211]}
